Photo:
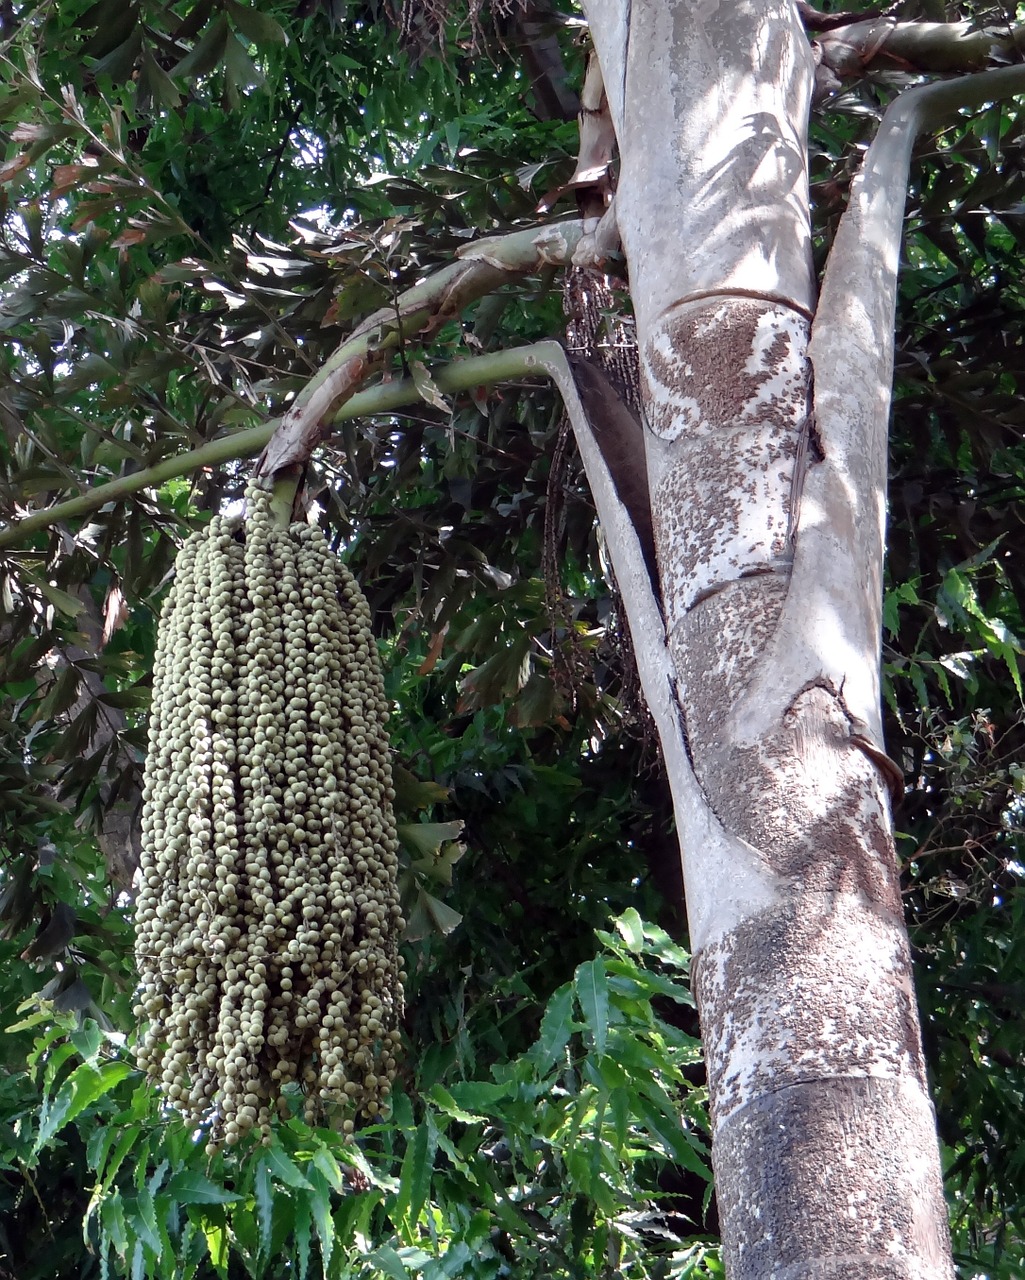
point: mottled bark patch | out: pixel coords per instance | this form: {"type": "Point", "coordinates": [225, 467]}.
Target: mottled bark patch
{"type": "Point", "coordinates": [717, 646]}
{"type": "Point", "coordinates": [720, 510]}
{"type": "Point", "coordinates": [819, 987]}
{"type": "Point", "coordinates": [725, 361]}
{"type": "Point", "coordinates": [726, 393]}
{"type": "Point", "coordinates": [795, 1200]}
{"type": "Point", "coordinates": [808, 827]}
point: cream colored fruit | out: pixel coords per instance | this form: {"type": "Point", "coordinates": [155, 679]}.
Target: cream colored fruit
{"type": "Point", "coordinates": [268, 915]}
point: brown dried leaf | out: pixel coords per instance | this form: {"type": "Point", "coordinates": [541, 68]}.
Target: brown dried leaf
{"type": "Point", "coordinates": [130, 235]}
{"type": "Point", "coordinates": [66, 177]}
{"type": "Point", "coordinates": [26, 131]}
{"type": "Point", "coordinates": [14, 167]}
{"type": "Point", "coordinates": [115, 612]}
{"type": "Point", "coordinates": [433, 653]}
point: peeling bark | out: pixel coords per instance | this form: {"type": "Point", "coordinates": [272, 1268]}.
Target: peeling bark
{"type": "Point", "coordinates": [620, 437]}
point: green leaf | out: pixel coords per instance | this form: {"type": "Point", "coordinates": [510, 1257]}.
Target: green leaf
{"type": "Point", "coordinates": [329, 1167]}
{"type": "Point", "coordinates": [390, 1263]}
{"type": "Point", "coordinates": [97, 1148]}
{"type": "Point", "coordinates": [156, 1179]}
{"type": "Point", "coordinates": [125, 1142]}
{"type": "Point", "coordinates": [411, 793]}
{"type": "Point", "coordinates": [259, 28]}
{"type": "Point", "coordinates": [303, 1231]}
{"type": "Point", "coordinates": [204, 56]}
{"type": "Point", "coordinates": [55, 1060]}
{"type": "Point", "coordinates": [125, 699]}
{"type": "Point", "coordinates": [141, 1159]}
{"type": "Point", "coordinates": [146, 1220]}
{"type": "Point", "coordinates": [88, 1084]}
{"type": "Point", "coordinates": [191, 1251]}
{"type": "Point", "coordinates": [663, 948]}
{"type": "Point", "coordinates": [444, 1101]}
{"type": "Point", "coordinates": [619, 1106]}
{"type": "Point", "coordinates": [355, 1159]}
{"type": "Point", "coordinates": [284, 1169]}
{"type": "Point", "coordinates": [320, 1205]}
{"type": "Point", "coordinates": [557, 1027]}
{"type": "Point", "coordinates": [631, 928]}
{"type": "Point", "coordinates": [217, 1245]}
{"type": "Point", "coordinates": [592, 990]}
{"type": "Point", "coordinates": [62, 601]}
{"type": "Point", "coordinates": [415, 1177]}
{"type": "Point", "coordinates": [479, 1098]}
{"type": "Point", "coordinates": [425, 839]}
{"type": "Point", "coordinates": [52, 1115]}
{"type": "Point", "coordinates": [87, 1039]}
{"type": "Point", "coordinates": [632, 984]}
{"type": "Point", "coordinates": [192, 1187]}
{"type": "Point", "coordinates": [112, 1220]}
{"type": "Point", "coordinates": [430, 916]}
{"type": "Point", "coordinates": [33, 1020]}
{"type": "Point", "coordinates": [119, 63]}
{"type": "Point", "coordinates": [678, 1144]}
{"type": "Point", "coordinates": [239, 68]}
{"type": "Point", "coordinates": [154, 81]}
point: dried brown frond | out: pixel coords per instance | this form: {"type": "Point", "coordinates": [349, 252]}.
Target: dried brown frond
{"type": "Point", "coordinates": [423, 25]}
{"type": "Point", "coordinates": [597, 329]}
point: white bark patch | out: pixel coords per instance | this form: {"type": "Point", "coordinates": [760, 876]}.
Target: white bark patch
{"type": "Point", "coordinates": [711, 130]}
{"type": "Point", "coordinates": [830, 626]}
{"type": "Point", "coordinates": [743, 883]}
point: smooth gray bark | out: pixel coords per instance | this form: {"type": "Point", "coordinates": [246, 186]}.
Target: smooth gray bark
{"type": "Point", "coordinates": [824, 1140]}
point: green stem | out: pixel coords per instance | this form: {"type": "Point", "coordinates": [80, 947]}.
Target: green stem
{"type": "Point", "coordinates": [283, 493]}
{"type": "Point", "coordinates": [460, 375]}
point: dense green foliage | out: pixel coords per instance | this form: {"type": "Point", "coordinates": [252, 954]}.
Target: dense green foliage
{"type": "Point", "coordinates": [198, 199]}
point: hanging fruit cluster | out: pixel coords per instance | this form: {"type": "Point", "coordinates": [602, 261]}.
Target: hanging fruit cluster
{"type": "Point", "coordinates": [268, 913]}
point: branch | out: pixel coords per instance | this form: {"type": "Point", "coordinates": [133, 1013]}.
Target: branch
{"type": "Point", "coordinates": [707, 844]}
{"type": "Point", "coordinates": [918, 46]}
{"type": "Point", "coordinates": [833, 608]}
{"type": "Point", "coordinates": [814, 20]}
{"type": "Point", "coordinates": [460, 375]}
{"type": "Point", "coordinates": [620, 438]}
{"type": "Point", "coordinates": [630, 558]}
{"type": "Point", "coordinates": [307, 420]}
{"type": "Point", "coordinates": [618, 505]}
{"type": "Point", "coordinates": [481, 268]}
